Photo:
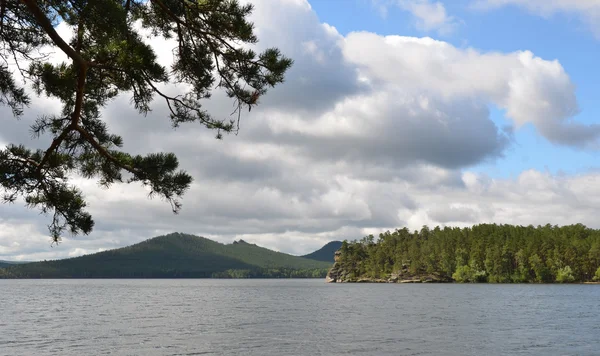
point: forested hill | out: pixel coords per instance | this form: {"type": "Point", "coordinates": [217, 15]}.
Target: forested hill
{"type": "Point", "coordinates": [9, 263]}
{"type": "Point", "coordinates": [483, 253]}
{"type": "Point", "coordinates": [326, 252]}
{"type": "Point", "coordinates": [175, 255]}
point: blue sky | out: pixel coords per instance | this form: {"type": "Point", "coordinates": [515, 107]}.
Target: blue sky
{"type": "Point", "coordinates": [560, 36]}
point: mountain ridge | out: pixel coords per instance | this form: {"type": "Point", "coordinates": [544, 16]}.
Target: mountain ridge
{"type": "Point", "coordinates": [4, 263]}
{"type": "Point", "coordinates": [325, 253]}
{"type": "Point", "coordinates": [175, 255]}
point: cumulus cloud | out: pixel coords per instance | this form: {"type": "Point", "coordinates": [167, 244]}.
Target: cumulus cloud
{"type": "Point", "coordinates": [587, 10]}
{"type": "Point", "coordinates": [320, 75]}
{"type": "Point", "coordinates": [529, 88]}
{"type": "Point", "coordinates": [368, 133]}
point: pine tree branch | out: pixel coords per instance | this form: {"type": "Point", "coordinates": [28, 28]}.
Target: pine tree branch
{"type": "Point", "coordinates": [103, 151]}
{"type": "Point", "coordinates": [45, 23]}
{"type": "Point", "coordinates": [148, 81]}
{"type": "Point", "coordinates": [103, 39]}
{"type": "Point", "coordinates": [190, 26]}
{"type": "Point", "coordinates": [75, 118]}
{"type": "Point", "coordinates": [168, 99]}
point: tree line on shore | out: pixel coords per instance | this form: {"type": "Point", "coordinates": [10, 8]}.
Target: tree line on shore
{"type": "Point", "coordinates": [272, 273]}
{"type": "Point", "coordinates": [482, 253]}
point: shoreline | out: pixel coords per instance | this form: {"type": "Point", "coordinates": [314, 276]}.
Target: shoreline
{"type": "Point", "coordinates": [415, 281]}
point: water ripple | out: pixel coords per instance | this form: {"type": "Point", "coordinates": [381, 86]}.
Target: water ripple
{"type": "Point", "coordinates": [294, 317]}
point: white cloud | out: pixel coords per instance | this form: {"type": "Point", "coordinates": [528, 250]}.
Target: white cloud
{"type": "Point", "coordinates": [530, 89]}
{"type": "Point", "coordinates": [588, 10]}
{"type": "Point", "coordinates": [368, 133]}
{"type": "Point", "coordinates": [428, 15]}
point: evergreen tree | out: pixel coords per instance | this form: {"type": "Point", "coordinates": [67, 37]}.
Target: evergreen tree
{"type": "Point", "coordinates": [108, 56]}
{"type": "Point", "coordinates": [483, 253]}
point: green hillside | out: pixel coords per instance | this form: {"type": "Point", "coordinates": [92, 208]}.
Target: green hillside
{"type": "Point", "coordinates": [175, 255]}
{"type": "Point", "coordinates": [326, 252]}
{"type": "Point", "coordinates": [9, 263]}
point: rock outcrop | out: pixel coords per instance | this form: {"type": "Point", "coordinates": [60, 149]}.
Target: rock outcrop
{"type": "Point", "coordinates": [338, 274]}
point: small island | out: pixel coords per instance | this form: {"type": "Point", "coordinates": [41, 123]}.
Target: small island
{"type": "Point", "coordinates": [485, 253]}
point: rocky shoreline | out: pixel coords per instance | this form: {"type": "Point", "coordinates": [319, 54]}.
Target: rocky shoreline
{"type": "Point", "coordinates": [337, 274]}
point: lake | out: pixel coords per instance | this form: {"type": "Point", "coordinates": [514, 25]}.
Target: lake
{"type": "Point", "coordinates": [295, 317]}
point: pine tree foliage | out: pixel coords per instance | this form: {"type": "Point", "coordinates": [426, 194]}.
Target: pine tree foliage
{"type": "Point", "coordinates": [482, 253]}
{"type": "Point", "coordinates": [108, 56]}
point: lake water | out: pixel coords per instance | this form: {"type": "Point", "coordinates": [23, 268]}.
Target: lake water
{"type": "Point", "coordinates": [295, 317]}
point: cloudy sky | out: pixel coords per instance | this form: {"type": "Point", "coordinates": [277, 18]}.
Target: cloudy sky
{"type": "Point", "coordinates": [396, 113]}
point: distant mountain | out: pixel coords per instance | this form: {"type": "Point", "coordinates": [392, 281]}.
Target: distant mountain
{"type": "Point", "coordinates": [175, 255]}
{"type": "Point", "coordinates": [10, 263]}
{"type": "Point", "coordinates": [325, 253]}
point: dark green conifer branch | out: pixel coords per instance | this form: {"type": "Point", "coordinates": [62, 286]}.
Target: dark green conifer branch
{"type": "Point", "coordinates": [108, 57]}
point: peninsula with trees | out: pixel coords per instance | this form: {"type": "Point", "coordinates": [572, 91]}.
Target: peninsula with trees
{"type": "Point", "coordinates": [485, 253]}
